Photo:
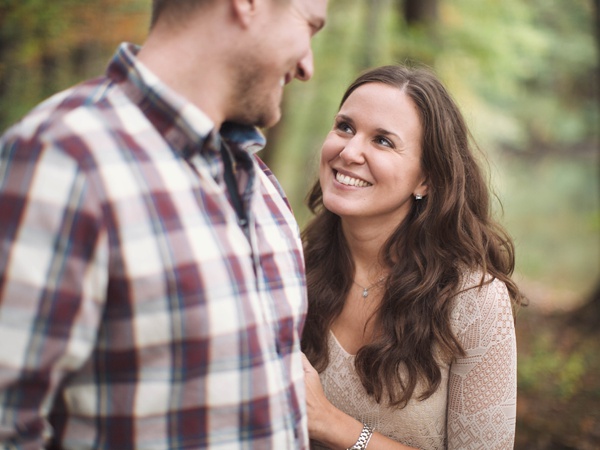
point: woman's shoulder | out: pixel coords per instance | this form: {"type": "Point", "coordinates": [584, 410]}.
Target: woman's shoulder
{"type": "Point", "coordinates": [481, 298]}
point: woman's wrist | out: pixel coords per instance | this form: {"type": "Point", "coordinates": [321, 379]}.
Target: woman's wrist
{"type": "Point", "coordinates": [337, 430]}
{"type": "Point", "coordinates": [363, 438]}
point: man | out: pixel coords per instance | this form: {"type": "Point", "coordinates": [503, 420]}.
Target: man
{"type": "Point", "coordinates": [152, 287]}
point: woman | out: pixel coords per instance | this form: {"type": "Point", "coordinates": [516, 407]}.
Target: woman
{"type": "Point", "coordinates": [410, 325]}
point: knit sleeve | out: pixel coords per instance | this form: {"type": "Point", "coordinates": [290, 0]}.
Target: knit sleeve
{"type": "Point", "coordinates": [482, 384]}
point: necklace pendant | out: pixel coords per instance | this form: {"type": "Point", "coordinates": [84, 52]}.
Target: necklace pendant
{"type": "Point", "coordinates": [365, 292]}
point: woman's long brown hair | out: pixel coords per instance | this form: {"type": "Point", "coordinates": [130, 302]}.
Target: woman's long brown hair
{"type": "Point", "coordinates": [449, 231]}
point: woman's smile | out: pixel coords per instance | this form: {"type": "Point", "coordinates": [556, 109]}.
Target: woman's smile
{"type": "Point", "coordinates": [350, 181]}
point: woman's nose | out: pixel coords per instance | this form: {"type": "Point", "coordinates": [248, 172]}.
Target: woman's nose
{"type": "Point", "coordinates": [352, 153]}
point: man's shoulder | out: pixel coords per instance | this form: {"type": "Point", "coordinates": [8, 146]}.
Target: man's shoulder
{"type": "Point", "coordinates": [82, 94]}
{"type": "Point", "coordinates": [66, 117]}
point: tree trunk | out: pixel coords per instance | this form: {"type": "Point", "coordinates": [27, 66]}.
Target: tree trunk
{"type": "Point", "coordinates": [588, 315]}
{"type": "Point", "coordinates": [373, 19]}
{"type": "Point", "coordinates": [6, 44]}
{"type": "Point", "coordinates": [420, 11]}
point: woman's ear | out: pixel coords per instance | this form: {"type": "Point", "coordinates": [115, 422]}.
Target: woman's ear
{"type": "Point", "coordinates": [421, 190]}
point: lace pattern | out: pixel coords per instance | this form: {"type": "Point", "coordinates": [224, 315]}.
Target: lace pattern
{"type": "Point", "coordinates": [475, 405]}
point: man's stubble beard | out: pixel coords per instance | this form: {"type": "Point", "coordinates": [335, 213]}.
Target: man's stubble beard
{"type": "Point", "coordinates": [254, 104]}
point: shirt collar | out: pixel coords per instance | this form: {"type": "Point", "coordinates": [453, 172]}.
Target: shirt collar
{"type": "Point", "coordinates": [181, 123]}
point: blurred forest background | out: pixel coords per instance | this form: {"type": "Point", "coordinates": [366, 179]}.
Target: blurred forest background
{"type": "Point", "coordinates": [526, 75]}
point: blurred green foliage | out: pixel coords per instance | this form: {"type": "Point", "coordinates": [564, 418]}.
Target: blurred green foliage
{"type": "Point", "coordinates": [555, 373]}
{"type": "Point", "coordinates": [559, 387]}
{"type": "Point", "coordinates": [551, 209]}
{"type": "Point", "coordinates": [48, 46]}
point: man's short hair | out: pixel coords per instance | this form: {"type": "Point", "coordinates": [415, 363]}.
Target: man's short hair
{"type": "Point", "coordinates": [175, 9]}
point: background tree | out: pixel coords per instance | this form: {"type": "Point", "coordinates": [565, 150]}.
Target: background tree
{"type": "Point", "coordinates": [47, 46]}
{"type": "Point", "coordinates": [420, 11]}
{"type": "Point", "coordinates": [588, 314]}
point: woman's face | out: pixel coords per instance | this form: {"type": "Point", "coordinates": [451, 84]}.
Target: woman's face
{"type": "Point", "coordinates": [371, 159]}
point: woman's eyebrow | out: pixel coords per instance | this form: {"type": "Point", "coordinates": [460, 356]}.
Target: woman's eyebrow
{"type": "Point", "coordinates": [382, 131]}
{"type": "Point", "coordinates": [390, 133]}
{"type": "Point", "coordinates": [344, 117]}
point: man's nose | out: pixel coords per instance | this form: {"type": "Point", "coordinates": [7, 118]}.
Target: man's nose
{"type": "Point", "coordinates": [305, 68]}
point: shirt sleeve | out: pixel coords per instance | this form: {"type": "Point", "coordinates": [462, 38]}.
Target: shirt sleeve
{"type": "Point", "coordinates": [53, 276]}
{"type": "Point", "coordinates": [483, 384]}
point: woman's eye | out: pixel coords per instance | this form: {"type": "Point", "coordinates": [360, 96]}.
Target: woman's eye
{"type": "Point", "coordinates": [384, 141]}
{"type": "Point", "coordinates": [344, 127]}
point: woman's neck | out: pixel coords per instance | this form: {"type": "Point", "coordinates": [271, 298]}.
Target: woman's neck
{"type": "Point", "coordinates": [365, 244]}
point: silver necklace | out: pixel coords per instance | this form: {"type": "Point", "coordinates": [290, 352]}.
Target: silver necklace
{"type": "Point", "coordinates": [365, 292]}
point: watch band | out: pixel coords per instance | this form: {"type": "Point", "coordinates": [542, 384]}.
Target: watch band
{"type": "Point", "coordinates": [363, 438]}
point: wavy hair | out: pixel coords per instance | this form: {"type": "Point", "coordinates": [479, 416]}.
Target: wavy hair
{"type": "Point", "coordinates": [449, 231]}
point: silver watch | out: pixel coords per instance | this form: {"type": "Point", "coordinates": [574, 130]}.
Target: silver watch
{"type": "Point", "coordinates": [363, 438]}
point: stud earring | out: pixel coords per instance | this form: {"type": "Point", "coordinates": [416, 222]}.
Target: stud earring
{"type": "Point", "coordinates": [418, 197]}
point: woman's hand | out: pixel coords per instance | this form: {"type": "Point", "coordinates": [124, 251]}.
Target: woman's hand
{"type": "Point", "coordinates": [329, 425]}
{"type": "Point", "coordinates": [317, 404]}
{"type": "Point", "coordinates": [326, 424]}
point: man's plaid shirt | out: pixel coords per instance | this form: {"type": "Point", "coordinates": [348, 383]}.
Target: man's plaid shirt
{"type": "Point", "coordinates": [135, 312]}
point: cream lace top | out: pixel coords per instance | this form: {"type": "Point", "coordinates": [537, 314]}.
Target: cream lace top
{"type": "Point", "coordinates": [475, 405]}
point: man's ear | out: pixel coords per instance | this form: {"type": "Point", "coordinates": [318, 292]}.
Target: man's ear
{"type": "Point", "coordinates": [244, 10]}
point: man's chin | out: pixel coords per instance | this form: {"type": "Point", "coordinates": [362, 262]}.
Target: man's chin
{"type": "Point", "coordinates": [273, 121]}
{"type": "Point", "coordinates": [265, 120]}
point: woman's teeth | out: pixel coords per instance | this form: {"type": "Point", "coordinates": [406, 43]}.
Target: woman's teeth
{"type": "Point", "coordinates": [349, 181]}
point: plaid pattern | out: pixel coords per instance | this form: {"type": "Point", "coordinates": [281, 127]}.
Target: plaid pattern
{"type": "Point", "coordinates": [134, 310]}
